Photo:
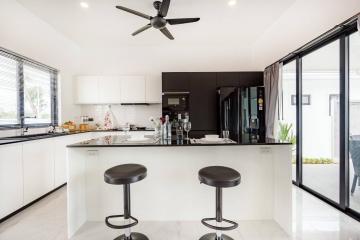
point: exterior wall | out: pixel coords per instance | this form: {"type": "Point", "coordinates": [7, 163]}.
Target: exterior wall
{"type": "Point", "coordinates": [320, 85]}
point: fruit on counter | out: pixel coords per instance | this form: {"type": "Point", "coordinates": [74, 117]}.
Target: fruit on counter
{"type": "Point", "coordinates": [70, 125]}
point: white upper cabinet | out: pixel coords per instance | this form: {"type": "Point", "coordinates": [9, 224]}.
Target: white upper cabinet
{"type": "Point", "coordinates": [87, 89]}
{"type": "Point", "coordinates": [153, 89]}
{"type": "Point", "coordinates": [133, 89]}
{"type": "Point", "coordinates": [118, 89]}
{"type": "Point", "coordinates": [109, 90]}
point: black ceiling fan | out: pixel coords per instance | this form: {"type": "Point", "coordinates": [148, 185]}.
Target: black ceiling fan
{"type": "Point", "coordinates": [159, 21]}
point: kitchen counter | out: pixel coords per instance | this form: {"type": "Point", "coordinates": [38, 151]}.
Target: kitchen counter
{"type": "Point", "coordinates": [32, 137]}
{"type": "Point", "coordinates": [122, 141]}
{"type": "Point", "coordinates": [171, 191]}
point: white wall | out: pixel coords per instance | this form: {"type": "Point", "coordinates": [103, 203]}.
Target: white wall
{"type": "Point", "coordinates": [26, 34]}
{"type": "Point", "coordinates": [138, 115]}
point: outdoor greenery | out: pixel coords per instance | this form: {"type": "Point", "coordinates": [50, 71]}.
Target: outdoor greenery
{"type": "Point", "coordinates": [316, 161]}
{"type": "Point", "coordinates": [286, 133]}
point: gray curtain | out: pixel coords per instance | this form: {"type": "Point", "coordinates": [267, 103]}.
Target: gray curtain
{"type": "Point", "coordinates": [272, 83]}
{"type": "Point", "coordinates": [358, 23]}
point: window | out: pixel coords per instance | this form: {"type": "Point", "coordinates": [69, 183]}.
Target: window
{"type": "Point", "coordinates": [8, 91]}
{"type": "Point", "coordinates": [28, 92]}
{"type": "Point", "coordinates": [37, 96]}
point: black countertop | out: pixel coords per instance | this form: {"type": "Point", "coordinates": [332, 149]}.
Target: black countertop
{"type": "Point", "coordinates": [121, 141]}
{"type": "Point", "coordinates": [32, 137]}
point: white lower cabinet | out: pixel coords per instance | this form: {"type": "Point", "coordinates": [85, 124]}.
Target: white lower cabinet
{"type": "Point", "coordinates": [60, 144]}
{"type": "Point", "coordinates": [31, 169]}
{"type": "Point", "coordinates": [60, 152]}
{"type": "Point", "coordinates": [38, 160]}
{"type": "Point", "coordinates": [11, 179]}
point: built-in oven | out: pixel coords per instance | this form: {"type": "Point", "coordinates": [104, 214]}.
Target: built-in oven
{"type": "Point", "coordinates": [174, 103]}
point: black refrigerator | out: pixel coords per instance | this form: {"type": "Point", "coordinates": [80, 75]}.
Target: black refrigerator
{"type": "Point", "coordinates": [242, 113]}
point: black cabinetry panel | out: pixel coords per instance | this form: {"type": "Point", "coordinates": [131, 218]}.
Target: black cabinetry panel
{"type": "Point", "coordinates": [251, 79]}
{"type": "Point", "coordinates": [227, 79]}
{"type": "Point", "coordinates": [203, 95]}
{"type": "Point", "coordinates": [240, 79]}
{"type": "Point", "coordinates": [176, 81]}
{"type": "Point", "coordinates": [203, 101]}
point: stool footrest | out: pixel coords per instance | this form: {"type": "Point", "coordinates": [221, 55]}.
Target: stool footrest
{"type": "Point", "coordinates": [232, 227]}
{"type": "Point", "coordinates": [120, 226]}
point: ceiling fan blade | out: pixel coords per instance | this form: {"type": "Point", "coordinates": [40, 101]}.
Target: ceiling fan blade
{"type": "Point", "coordinates": [164, 8]}
{"type": "Point", "coordinates": [134, 12]}
{"type": "Point", "coordinates": [166, 32]}
{"type": "Point", "coordinates": [182, 20]}
{"type": "Point", "coordinates": [142, 29]}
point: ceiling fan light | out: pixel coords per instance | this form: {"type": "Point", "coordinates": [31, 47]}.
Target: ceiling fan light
{"type": "Point", "coordinates": [232, 3]}
{"type": "Point", "coordinates": [84, 5]}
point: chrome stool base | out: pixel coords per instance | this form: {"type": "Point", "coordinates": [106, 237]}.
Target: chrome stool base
{"type": "Point", "coordinates": [212, 236]}
{"type": "Point", "coordinates": [134, 236]}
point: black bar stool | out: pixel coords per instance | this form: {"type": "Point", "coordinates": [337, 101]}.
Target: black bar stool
{"type": "Point", "coordinates": [125, 175]}
{"type": "Point", "coordinates": [219, 177]}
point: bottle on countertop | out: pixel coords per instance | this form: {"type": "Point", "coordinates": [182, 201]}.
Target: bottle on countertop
{"type": "Point", "coordinates": [179, 127]}
{"type": "Point", "coordinates": [166, 128]}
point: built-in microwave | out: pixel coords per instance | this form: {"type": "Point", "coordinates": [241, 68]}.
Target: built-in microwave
{"type": "Point", "coordinates": [174, 103]}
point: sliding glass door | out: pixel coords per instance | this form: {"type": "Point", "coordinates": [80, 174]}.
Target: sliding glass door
{"type": "Point", "coordinates": [320, 119]}
{"type": "Point", "coordinates": [354, 121]}
{"type": "Point", "coordinates": [324, 76]}
{"type": "Point", "coordinates": [287, 123]}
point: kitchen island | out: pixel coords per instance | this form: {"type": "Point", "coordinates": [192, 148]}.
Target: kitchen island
{"type": "Point", "coordinates": [171, 191]}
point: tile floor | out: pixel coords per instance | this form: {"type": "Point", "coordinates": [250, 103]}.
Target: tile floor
{"type": "Point", "coordinates": [313, 220]}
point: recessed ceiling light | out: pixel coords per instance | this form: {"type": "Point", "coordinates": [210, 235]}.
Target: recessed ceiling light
{"type": "Point", "coordinates": [84, 4]}
{"type": "Point", "coordinates": [232, 2]}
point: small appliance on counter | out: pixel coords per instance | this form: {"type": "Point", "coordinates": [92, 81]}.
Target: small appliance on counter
{"type": "Point", "coordinates": [85, 124]}
{"type": "Point", "coordinates": [242, 113]}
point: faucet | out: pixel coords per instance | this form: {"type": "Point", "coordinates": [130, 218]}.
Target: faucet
{"type": "Point", "coordinates": [24, 130]}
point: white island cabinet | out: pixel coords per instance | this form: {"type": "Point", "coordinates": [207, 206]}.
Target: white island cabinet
{"type": "Point", "coordinates": [171, 191]}
{"type": "Point", "coordinates": [11, 179]}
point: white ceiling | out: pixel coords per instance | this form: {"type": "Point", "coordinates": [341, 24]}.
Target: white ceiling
{"type": "Point", "coordinates": [102, 25]}
{"type": "Point", "coordinates": [248, 36]}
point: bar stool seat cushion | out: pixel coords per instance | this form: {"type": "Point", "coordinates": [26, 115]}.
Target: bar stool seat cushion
{"type": "Point", "coordinates": [125, 174]}
{"type": "Point", "coordinates": [219, 176]}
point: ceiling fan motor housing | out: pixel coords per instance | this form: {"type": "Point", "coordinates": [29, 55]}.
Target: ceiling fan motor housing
{"type": "Point", "coordinates": [158, 22]}
{"type": "Point", "coordinates": [157, 5]}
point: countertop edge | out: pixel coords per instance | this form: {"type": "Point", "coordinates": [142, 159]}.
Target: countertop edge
{"type": "Point", "coordinates": [63, 135]}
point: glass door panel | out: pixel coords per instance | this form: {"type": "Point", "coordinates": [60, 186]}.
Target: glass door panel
{"type": "Point", "coordinates": [287, 106]}
{"type": "Point", "coordinates": [321, 89]}
{"type": "Point", "coordinates": [354, 122]}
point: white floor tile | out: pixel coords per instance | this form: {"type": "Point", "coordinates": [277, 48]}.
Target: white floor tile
{"type": "Point", "coordinates": [312, 218]}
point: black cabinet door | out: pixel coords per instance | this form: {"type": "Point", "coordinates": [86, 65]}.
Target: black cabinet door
{"type": "Point", "coordinates": [251, 79]}
{"type": "Point", "coordinates": [203, 101]}
{"type": "Point", "coordinates": [227, 79]}
{"type": "Point", "coordinates": [175, 81]}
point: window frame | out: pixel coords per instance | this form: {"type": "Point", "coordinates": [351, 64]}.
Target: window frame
{"type": "Point", "coordinates": [21, 60]}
